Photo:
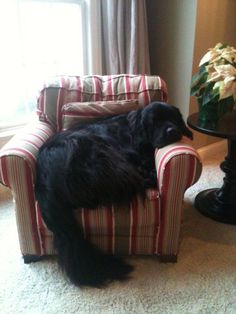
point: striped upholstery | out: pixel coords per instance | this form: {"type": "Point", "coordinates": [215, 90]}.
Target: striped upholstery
{"type": "Point", "coordinates": [149, 227]}
{"type": "Point", "coordinates": [63, 90]}
{"type": "Point", "coordinates": [79, 112]}
{"type": "Point", "coordinates": [17, 171]}
{"type": "Point", "coordinates": [178, 168]}
{"type": "Point", "coordinates": [128, 230]}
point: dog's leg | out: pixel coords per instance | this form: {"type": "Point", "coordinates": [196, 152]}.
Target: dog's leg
{"type": "Point", "coordinates": [84, 264]}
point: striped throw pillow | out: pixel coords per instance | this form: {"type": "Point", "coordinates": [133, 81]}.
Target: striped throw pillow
{"type": "Point", "coordinates": [80, 112]}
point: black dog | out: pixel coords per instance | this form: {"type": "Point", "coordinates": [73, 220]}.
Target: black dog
{"type": "Point", "coordinates": [101, 163]}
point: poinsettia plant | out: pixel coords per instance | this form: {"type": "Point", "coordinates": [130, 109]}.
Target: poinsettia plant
{"type": "Point", "coordinates": [216, 78]}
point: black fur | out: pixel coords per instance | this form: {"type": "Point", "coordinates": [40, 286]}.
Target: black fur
{"type": "Point", "coordinates": [101, 163]}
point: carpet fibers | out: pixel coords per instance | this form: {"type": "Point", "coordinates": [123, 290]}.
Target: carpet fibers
{"type": "Point", "coordinates": [203, 280]}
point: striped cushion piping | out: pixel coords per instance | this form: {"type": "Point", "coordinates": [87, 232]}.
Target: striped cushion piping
{"type": "Point", "coordinates": [76, 82]}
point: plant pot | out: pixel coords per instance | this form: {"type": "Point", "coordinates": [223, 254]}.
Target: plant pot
{"type": "Point", "coordinates": [211, 113]}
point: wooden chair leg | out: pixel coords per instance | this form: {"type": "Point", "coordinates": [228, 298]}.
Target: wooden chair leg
{"type": "Point", "coordinates": [32, 258]}
{"type": "Point", "coordinates": [172, 258]}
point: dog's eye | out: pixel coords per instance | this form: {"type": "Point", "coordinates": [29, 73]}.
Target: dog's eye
{"type": "Point", "coordinates": [171, 131]}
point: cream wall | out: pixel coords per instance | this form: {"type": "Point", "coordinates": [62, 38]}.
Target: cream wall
{"type": "Point", "coordinates": [180, 32]}
{"type": "Point", "coordinates": [171, 42]}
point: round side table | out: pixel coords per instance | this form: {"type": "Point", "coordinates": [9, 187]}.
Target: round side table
{"type": "Point", "coordinates": [220, 204]}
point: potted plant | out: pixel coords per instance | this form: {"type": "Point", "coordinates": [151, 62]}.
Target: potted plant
{"type": "Point", "coordinates": [215, 83]}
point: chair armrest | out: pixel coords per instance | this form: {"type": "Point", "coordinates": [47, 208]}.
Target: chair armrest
{"type": "Point", "coordinates": [17, 171]}
{"type": "Point", "coordinates": [175, 161]}
{"type": "Point", "coordinates": [22, 150]}
{"type": "Point", "coordinates": [178, 167]}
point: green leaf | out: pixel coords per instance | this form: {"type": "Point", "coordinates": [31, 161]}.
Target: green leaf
{"type": "Point", "coordinates": [227, 101]}
{"type": "Point", "coordinates": [197, 90]}
{"type": "Point", "coordinates": [226, 105]}
{"type": "Point", "coordinates": [210, 94]}
{"type": "Point", "coordinates": [224, 45]}
{"type": "Point", "coordinates": [202, 68]}
{"type": "Point", "coordinates": [196, 77]}
{"type": "Point", "coordinates": [198, 82]}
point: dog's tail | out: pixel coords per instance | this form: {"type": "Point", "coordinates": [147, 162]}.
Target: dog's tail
{"type": "Point", "coordinates": [83, 263]}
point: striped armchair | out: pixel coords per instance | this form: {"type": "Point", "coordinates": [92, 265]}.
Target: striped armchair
{"type": "Point", "coordinates": [149, 227]}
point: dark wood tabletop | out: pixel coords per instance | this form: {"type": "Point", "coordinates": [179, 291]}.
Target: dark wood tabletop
{"type": "Point", "coordinates": [225, 128]}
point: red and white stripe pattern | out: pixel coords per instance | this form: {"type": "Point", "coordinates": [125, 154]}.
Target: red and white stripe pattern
{"type": "Point", "coordinates": [79, 112]}
{"type": "Point", "coordinates": [178, 167]}
{"type": "Point", "coordinates": [63, 90]}
{"type": "Point", "coordinates": [151, 226]}
{"type": "Point", "coordinates": [144, 224]}
{"type": "Point", "coordinates": [17, 171]}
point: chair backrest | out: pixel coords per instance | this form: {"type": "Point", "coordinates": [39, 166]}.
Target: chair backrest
{"type": "Point", "coordinates": [62, 90]}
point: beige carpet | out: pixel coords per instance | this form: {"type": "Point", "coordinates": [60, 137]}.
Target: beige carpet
{"type": "Point", "coordinates": [203, 280]}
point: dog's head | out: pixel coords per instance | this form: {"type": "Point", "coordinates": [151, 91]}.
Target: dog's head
{"type": "Point", "coordinates": [163, 124]}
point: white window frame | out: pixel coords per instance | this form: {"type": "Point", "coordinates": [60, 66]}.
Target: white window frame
{"type": "Point", "coordinates": [8, 130]}
{"type": "Point", "coordinates": [94, 38]}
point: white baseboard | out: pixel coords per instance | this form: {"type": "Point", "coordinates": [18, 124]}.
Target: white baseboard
{"type": "Point", "coordinates": [212, 150]}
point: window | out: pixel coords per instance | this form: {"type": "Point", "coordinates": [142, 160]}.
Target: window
{"type": "Point", "coordinates": [39, 38]}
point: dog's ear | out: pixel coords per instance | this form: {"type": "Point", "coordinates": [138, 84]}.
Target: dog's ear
{"type": "Point", "coordinates": [184, 129]}
{"type": "Point", "coordinates": [187, 132]}
{"type": "Point", "coordinates": [146, 119]}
